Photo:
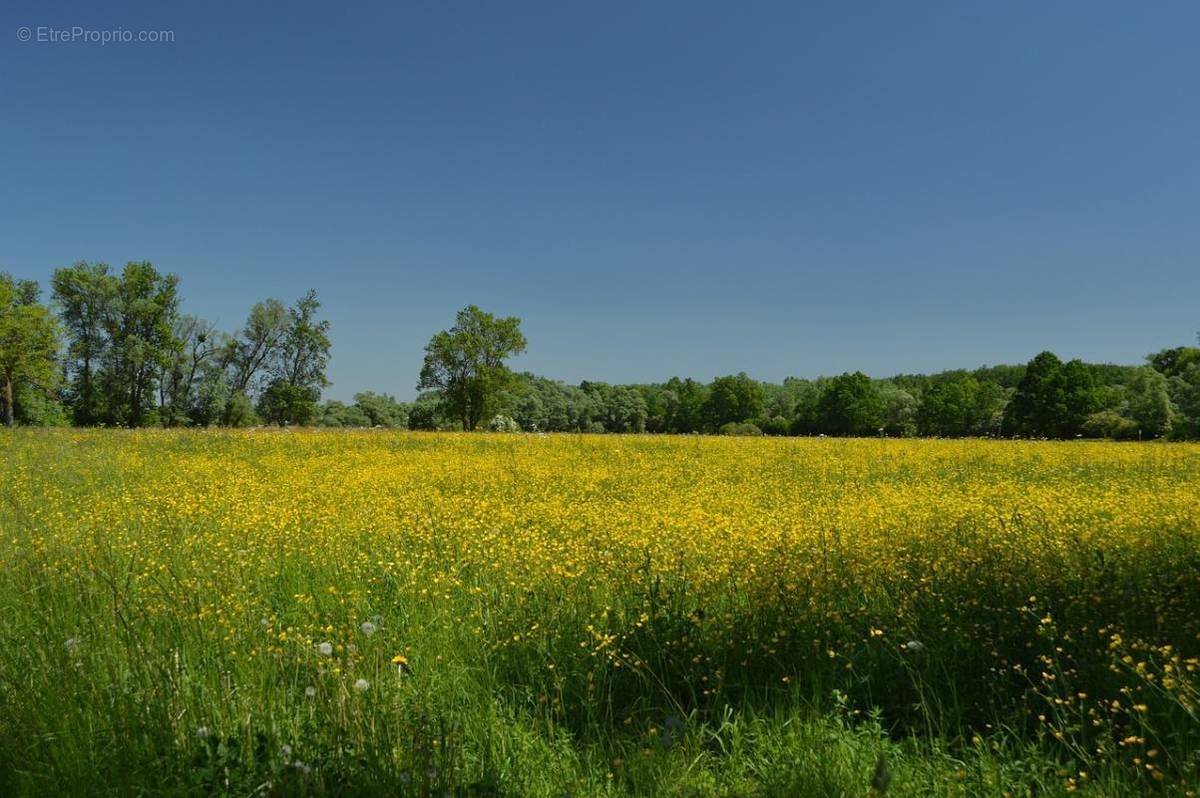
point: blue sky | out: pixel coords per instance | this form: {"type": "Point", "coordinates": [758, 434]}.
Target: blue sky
{"type": "Point", "coordinates": [654, 188]}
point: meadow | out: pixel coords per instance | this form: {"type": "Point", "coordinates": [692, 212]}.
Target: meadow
{"type": "Point", "coordinates": [381, 613]}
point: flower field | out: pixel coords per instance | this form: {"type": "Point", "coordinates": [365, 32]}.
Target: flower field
{"type": "Point", "coordinates": [350, 613]}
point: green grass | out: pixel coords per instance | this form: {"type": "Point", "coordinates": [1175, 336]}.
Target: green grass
{"type": "Point", "coordinates": [122, 672]}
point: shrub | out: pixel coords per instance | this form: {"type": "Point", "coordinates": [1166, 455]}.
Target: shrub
{"type": "Point", "coordinates": [740, 428]}
{"type": "Point", "coordinates": [1110, 424]}
{"type": "Point", "coordinates": [503, 423]}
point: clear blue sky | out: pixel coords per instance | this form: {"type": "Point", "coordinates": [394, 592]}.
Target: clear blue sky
{"type": "Point", "coordinates": [654, 188]}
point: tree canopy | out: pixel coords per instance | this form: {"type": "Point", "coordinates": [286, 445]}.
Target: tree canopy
{"type": "Point", "coordinates": [115, 348]}
{"type": "Point", "coordinates": [465, 365]}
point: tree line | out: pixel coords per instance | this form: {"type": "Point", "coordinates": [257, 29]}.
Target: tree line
{"type": "Point", "coordinates": [113, 348]}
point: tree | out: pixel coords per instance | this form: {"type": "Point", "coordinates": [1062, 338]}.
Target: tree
{"type": "Point", "coordinates": [1039, 405]}
{"type": "Point", "coordinates": [254, 348]}
{"type": "Point", "coordinates": [337, 414]}
{"type": "Point", "coordinates": [426, 413]}
{"type": "Point", "coordinates": [732, 398]}
{"type": "Point", "coordinates": [1174, 362]}
{"type": "Point", "coordinates": [618, 408]}
{"type": "Point", "coordinates": [805, 399]}
{"type": "Point", "coordinates": [1150, 403]}
{"type": "Point", "coordinates": [196, 344]}
{"type": "Point", "coordinates": [283, 403]}
{"type": "Point", "coordinates": [1185, 393]}
{"type": "Point", "coordinates": [304, 348]}
{"type": "Point", "coordinates": [850, 405]}
{"type": "Point", "coordinates": [685, 405]}
{"type": "Point", "coordinates": [28, 342]}
{"type": "Point", "coordinates": [960, 406]}
{"type": "Point", "coordinates": [1081, 397]}
{"type": "Point", "coordinates": [85, 293]}
{"type": "Point", "coordinates": [381, 410]}
{"type": "Point", "coordinates": [140, 329]}
{"type": "Point", "coordinates": [465, 364]}
{"type": "Point", "coordinates": [899, 410]}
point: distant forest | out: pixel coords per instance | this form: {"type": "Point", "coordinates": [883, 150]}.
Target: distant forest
{"type": "Point", "coordinates": [110, 348]}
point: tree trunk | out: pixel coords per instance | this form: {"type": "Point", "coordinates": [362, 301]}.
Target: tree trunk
{"type": "Point", "coordinates": [8, 402]}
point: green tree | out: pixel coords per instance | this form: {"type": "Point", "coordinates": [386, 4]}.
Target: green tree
{"type": "Point", "coordinates": [28, 343]}
{"type": "Point", "coordinates": [85, 294]}
{"type": "Point", "coordinates": [1150, 405]}
{"type": "Point", "coordinates": [304, 348]}
{"type": "Point", "coordinates": [805, 398]}
{"type": "Point", "coordinates": [381, 410]}
{"type": "Point", "coordinates": [1081, 395]}
{"type": "Point", "coordinates": [465, 364]}
{"type": "Point", "coordinates": [618, 408]}
{"type": "Point", "coordinates": [1174, 362]}
{"type": "Point", "coordinates": [899, 410]}
{"type": "Point", "coordinates": [1039, 405]}
{"type": "Point", "coordinates": [196, 344]}
{"type": "Point", "coordinates": [140, 328]}
{"type": "Point", "coordinates": [685, 402]}
{"type": "Point", "coordinates": [732, 398]}
{"type": "Point", "coordinates": [283, 403]}
{"type": "Point", "coordinates": [961, 406]}
{"type": "Point", "coordinates": [1185, 393]}
{"type": "Point", "coordinates": [851, 405]}
{"type": "Point", "coordinates": [337, 414]}
{"type": "Point", "coordinates": [254, 349]}
{"type": "Point", "coordinates": [425, 413]}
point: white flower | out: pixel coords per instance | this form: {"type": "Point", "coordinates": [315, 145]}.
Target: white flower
{"type": "Point", "coordinates": [914, 646]}
{"type": "Point", "coordinates": [202, 731]}
{"type": "Point", "coordinates": [264, 623]}
{"type": "Point", "coordinates": [362, 685]}
{"type": "Point", "coordinates": [368, 628]}
{"type": "Point", "coordinates": [325, 649]}
{"type": "Point", "coordinates": [286, 751]}
{"type": "Point", "coordinates": [309, 692]}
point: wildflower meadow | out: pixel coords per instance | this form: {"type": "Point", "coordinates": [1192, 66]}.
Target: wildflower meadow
{"type": "Point", "coordinates": [387, 613]}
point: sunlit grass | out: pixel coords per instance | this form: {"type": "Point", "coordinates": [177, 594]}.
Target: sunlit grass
{"type": "Point", "coordinates": [308, 612]}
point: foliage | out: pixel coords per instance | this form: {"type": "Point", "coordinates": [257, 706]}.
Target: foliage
{"type": "Point", "coordinates": [381, 410]}
{"type": "Point", "coordinates": [733, 398]}
{"type": "Point", "coordinates": [1053, 399]}
{"type": "Point", "coordinates": [465, 364]}
{"type": "Point", "coordinates": [1110, 424]}
{"type": "Point", "coordinates": [851, 405]}
{"type": "Point", "coordinates": [133, 359]}
{"type": "Point", "coordinates": [28, 344]}
{"type": "Point", "coordinates": [283, 403]}
{"type": "Point", "coordinates": [503, 423]}
{"type": "Point", "coordinates": [960, 407]}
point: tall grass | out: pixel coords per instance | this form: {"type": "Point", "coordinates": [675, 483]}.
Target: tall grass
{"type": "Point", "coordinates": [188, 613]}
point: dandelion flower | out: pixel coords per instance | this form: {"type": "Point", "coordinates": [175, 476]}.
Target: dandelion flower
{"type": "Point", "coordinates": [362, 685]}
{"type": "Point", "coordinates": [325, 649]}
{"type": "Point", "coordinates": [368, 628]}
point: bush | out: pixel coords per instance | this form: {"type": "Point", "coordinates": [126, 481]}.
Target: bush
{"type": "Point", "coordinates": [740, 428]}
{"type": "Point", "coordinates": [771, 425]}
{"type": "Point", "coordinates": [503, 423]}
{"type": "Point", "coordinates": [1110, 424]}
{"type": "Point", "coordinates": [240, 411]}
{"type": "Point", "coordinates": [283, 403]}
